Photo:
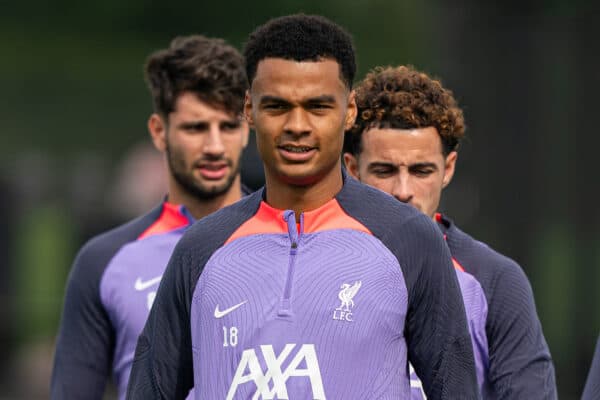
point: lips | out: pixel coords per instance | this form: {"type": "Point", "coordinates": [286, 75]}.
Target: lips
{"type": "Point", "coordinates": [213, 170]}
{"type": "Point", "coordinates": [296, 152]}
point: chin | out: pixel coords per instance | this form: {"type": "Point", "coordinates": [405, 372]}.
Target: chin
{"type": "Point", "coordinates": [299, 179]}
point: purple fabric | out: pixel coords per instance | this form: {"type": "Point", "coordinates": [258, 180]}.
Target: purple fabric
{"type": "Point", "coordinates": [347, 307]}
{"type": "Point", "coordinates": [127, 290]}
{"type": "Point", "coordinates": [476, 310]}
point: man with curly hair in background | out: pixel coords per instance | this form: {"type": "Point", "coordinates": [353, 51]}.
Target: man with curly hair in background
{"type": "Point", "coordinates": [197, 86]}
{"type": "Point", "coordinates": [405, 142]}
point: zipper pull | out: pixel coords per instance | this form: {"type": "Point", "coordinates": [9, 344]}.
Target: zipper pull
{"type": "Point", "coordinates": [290, 218]}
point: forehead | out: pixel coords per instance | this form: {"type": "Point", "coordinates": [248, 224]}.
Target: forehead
{"type": "Point", "coordinates": [402, 145]}
{"type": "Point", "coordinates": [189, 106]}
{"type": "Point", "coordinates": [296, 80]}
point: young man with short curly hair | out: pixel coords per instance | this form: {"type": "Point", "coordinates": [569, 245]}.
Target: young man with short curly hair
{"type": "Point", "coordinates": [197, 86]}
{"type": "Point", "coordinates": [405, 142]}
{"type": "Point", "coordinates": [316, 286]}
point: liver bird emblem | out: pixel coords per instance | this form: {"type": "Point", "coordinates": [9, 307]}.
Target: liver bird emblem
{"type": "Point", "coordinates": [347, 294]}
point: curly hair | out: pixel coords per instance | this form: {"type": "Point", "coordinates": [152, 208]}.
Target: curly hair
{"type": "Point", "coordinates": [301, 37]}
{"type": "Point", "coordinates": [404, 98]}
{"type": "Point", "coordinates": [207, 67]}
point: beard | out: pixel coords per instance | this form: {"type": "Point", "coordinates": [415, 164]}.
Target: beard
{"type": "Point", "coordinates": [184, 176]}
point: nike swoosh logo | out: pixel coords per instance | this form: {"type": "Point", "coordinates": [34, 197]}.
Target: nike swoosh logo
{"type": "Point", "coordinates": [143, 285]}
{"type": "Point", "coordinates": [221, 314]}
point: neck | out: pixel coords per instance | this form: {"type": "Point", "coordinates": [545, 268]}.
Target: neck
{"type": "Point", "coordinates": [286, 196]}
{"type": "Point", "coordinates": [200, 208]}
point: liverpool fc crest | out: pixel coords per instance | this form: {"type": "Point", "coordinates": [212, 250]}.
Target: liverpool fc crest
{"type": "Point", "coordinates": [346, 295]}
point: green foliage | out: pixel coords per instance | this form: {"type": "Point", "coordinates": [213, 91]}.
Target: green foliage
{"type": "Point", "coordinates": [44, 251]}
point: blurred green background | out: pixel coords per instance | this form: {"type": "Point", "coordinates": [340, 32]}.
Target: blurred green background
{"type": "Point", "coordinates": [73, 161]}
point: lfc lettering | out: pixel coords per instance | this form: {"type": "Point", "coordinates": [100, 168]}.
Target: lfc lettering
{"type": "Point", "coordinates": [340, 315]}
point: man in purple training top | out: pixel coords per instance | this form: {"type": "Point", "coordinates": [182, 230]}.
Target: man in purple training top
{"type": "Point", "coordinates": [405, 143]}
{"type": "Point", "coordinates": [316, 286]}
{"type": "Point", "coordinates": [197, 87]}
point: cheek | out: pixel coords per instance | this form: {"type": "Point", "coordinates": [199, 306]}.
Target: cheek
{"type": "Point", "coordinates": [263, 130]}
{"type": "Point", "coordinates": [334, 127]}
{"type": "Point", "coordinates": [429, 190]}
{"type": "Point", "coordinates": [234, 143]}
{"type": "Point", "coordinates": [188, 143]}
{"type": "Point", "coordinates": [381, 184]}
{"type": "Point", "coordinates": [263, 145]}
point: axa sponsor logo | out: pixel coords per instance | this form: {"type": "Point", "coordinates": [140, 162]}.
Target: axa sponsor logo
{"type": "Point", "coordinates": [416, 386]}
{"type": "Point", "coordinates": [346, 296]}
{"type": "Point", "coordinates": [272, 383]}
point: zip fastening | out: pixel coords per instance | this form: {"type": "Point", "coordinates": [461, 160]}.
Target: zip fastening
{"type": "Point", "coordinates": [285, 306]}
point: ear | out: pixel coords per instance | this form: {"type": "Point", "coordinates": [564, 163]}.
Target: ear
{"type": "Point", "coordinates": [352, 111]}
{"type": "Point", "coordinates": [449, 166]}
{"type": "Point", "coordinates": [245, 133]}
{"type": "Point", "coordinates": [351, 165]}
{"type": "Point", "coordinates": [158, 131]}
{"type": "Point", "coordinates": [248, 109]}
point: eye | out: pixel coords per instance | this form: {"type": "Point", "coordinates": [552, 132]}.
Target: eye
{"type": "Point", "coordinates": [230, 126]}
{"type": "Point", "coordinates": [196, 128]}
{"type": "Point", "coordinates": [382, 172]}
{"type": "Point", "coordinates": [319, 106]}
{"type": "Point", "coordinates": [422, 172]}
{"type": "Point", "coordinates": [275, 106]}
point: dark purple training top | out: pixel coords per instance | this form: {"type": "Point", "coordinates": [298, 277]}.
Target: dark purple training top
{"type": "Point", "coordinates": [255, 306]}
{"type": "Point", "coordinates": [519, 364]}
{"type": "Point", "coordinates": [476, 309]}
{"type": "Point", "coordinates": [109, 294]}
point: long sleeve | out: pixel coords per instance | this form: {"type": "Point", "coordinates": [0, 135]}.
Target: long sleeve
{"type": "Point", "coordinates": [439, 344]}
{"type": "Point", "coordinates": [520, 362]}
{"type": "Point", "coordinates": [82, 361]}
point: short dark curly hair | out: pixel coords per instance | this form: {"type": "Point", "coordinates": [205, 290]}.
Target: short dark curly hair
{"type": "Point", "coordinates": [404, 98]}
{"type": "Point", "coordinates": [208, 67]}
{"type": "Point", "coordinates": [301, 37]}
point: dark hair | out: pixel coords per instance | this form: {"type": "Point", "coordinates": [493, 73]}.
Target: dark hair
{"type": "Point", "coordinates": [207, 67]}
{"type": "Point", "coordinates": [301, 37]}
{"type": "Point", "coordinates": [404, 98]}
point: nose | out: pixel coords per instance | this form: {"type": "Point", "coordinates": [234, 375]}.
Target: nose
{"type": "Point", "coordinates": [213, 143]}
{"type": "Point", "coordinates": [402, 189]}
{"type": "Point", "coordinates": [297, 122]}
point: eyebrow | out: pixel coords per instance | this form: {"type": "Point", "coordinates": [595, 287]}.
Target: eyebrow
{"type": "Point", "coordinates": [203, 124]}
{"type": "Point", "coordinates": [321, 99]}
{"type": "Point", "coordinates": [423, 165]}
{"type": "Point", "coordinates": [381, 164]}
{"type": "Point", "coordinates": [193, 124]}
{"type": "Point", "coordinates": [376, 164]}
{"type": "Point", "coordinates": [313, 100]}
